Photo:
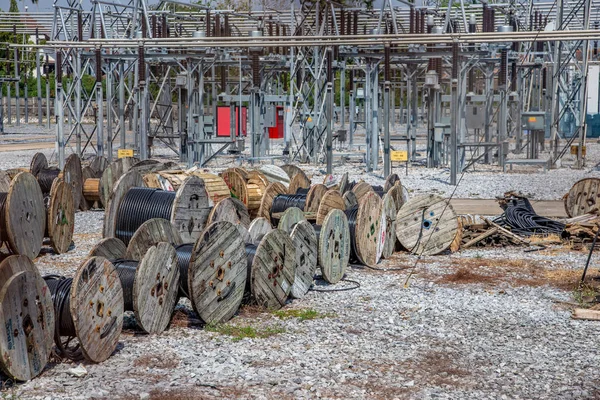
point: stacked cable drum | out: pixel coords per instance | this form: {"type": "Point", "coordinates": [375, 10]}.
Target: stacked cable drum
{"type": "Point", "coordinates": [131, 204]}
{"type": "Point", "coordinates": [88, 311]}
{"type": "Point", "coordinates": [367, 229]}
{"type": "Point", "coordinates": [27, 319]}
{"type": "Point", "coordinates": [246, 186]}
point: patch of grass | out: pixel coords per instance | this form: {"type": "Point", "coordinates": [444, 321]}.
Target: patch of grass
{"type": "Point", "coordinates": [586, 294]}
{"type": "Point", "coordinates": [302, 314]}
{"type": "Point", "coordinates": [238, 333]}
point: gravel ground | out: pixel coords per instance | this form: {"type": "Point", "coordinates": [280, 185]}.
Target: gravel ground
{"type": "Point", "coordinates": [480, 324]}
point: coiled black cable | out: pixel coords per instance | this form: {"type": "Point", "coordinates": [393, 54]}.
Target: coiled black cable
{"type": "Point", "coordinates": [378, 190]}
{"type": "Point", "coordinates": [520, 217]}
{"type": "Point", "coordinates": [60, 290]}
{"type": "Point", "coordinates": [302, 191]}
{"type": "Point", "coordinates": [3, 232]}
{"type": "Point", "coordinates": [250, 254]}
{"type": "Point", "coordinates": [317, 229]}
{"type": "Point", "coordinates": [351, 214]}
{"type": "Point", "coordinates": [138, 206]}
{"type": "Point", "coordinates": [126, 270]}
{"type": "Point", "coordinates": [46, 177]}
{"type": "Point", "coordinates": [184, 257]}
{"type": "Point", "coordinates": [284, 201]}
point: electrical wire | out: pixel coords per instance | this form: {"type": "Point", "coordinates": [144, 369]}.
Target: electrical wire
{"type": "Point", "coordinates": [522, 219]}
{"type": "Point", "coordinates": [126, 269]}
{"type": "Point", "coordinates": [284, 201]}
{"type": "Point", "coordinates": [46, 177]}
{"type": "Point", "coordinates": [184, 257]}
{"type": "Point", "coordinates": [343, 289]}
{"type": "Point", "coordinates": [351, 215]}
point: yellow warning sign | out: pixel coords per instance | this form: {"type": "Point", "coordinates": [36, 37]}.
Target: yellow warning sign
{"type": "Point", "coordinates": [400, 155]}
{"type": "Point", "coordinates": [575, 149]}
{"type": "Point", "coordinates": [121, 153]}
{"type": "Point", "coordinates": [532, 119]}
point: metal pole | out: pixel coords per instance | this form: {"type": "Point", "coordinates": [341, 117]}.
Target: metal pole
{"type": "Point", "coordinates": [1, 111]}
{"type": "Point", "coordinates": [343, 95]}
{"type": "Point", "coordinates": [122, 131]}
{"type": "Point", "coordinates": [38, 76]}
{"type": "Point", "coordinates": [17, 94]}
{"type": "Point", "coordinates": [99, 101]}
{"type": "Point", "coordinates": [78, 113]}
{"type": "Point", "coordinates": [454, 116]}
{"type": "Point", "coordinates": [387, 170]}
{"type": "Point", "coordinates": [375, 123]}
{"type": "Point", "coordinates": [58, 104]}
{"type": "Point", "coordinates": [329, 111]}
{"type": "Point", "coordinates": [109, 111]}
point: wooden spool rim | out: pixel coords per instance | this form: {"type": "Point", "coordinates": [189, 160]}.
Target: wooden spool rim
{"type": "Point", "coordinates": [27, 301]}
{"type": "Point", "coordinates": [97, 308]}
{"type": "Point", "coordinates": [14, 264]}
{"type": "Point", "coordinates": [272, 292]}
{"type": "Point", "coordinates": [369, 230]}
{"type": "Point", "coordinates": [334, 259]}
{"type": "Point", "coordinates": [314, 196]}
{"type": "Point", "coordinates": [344, 183]}
{"type": "Point", "coordinates": [571, 198]}
{"type": "Point", "coordinates": [392, 180]}
{"type": "Point", "coordinates": [150, 234]}
{"type": "Point", "coordinates": [259, 227]}
{"type": "Point", "coordinates": [275, 174]}
{"type": "Point", "coordinates": [61, 217]}
{"type": "Point", "coordinates": [192, 205]}
{"type": "Point", "coordinates": [4, 181]}
{"type": "Point", "coordinates": [305, 241]}
{"type": "Point", "coordinates": [233, 177]}
{"type": "Point", "coordinates": [218, 272]}
{"type": "Point", "coordinates": [332, 199]}
{"type": "Point", "coordinates": [416, 210]}
{"type": "Point", "coordinates": [111, 175]}
{"type": "Point", "coordinates": [38, 163]}
{"type": "Point", "coordinates": [291, 170]}
{"type": "Point", "coordinates": [155, 288]}
{"type": "Point", "coordinates": [234, 211]}
{"type": "Point", "coordinates": [109, 248]}
{"type": "Point", "coordinates": [350, 199]}
{"type": "Point", "coordinates": [389, 211]}
{"type": "Point", "coordinates": [22, 223]}
{"type": "Point", "coordinates": [129, 180]}
{"type": "Point", "coordinates": [271, 191]}
{"type": "Point", "coordinates": [72, 174]}
{"type": "Point", "coordinates": [290, 218]}
{"type": "Point", "coordinates": [299, 180]}
{"type": "Point", "coordinates": [98, 165]}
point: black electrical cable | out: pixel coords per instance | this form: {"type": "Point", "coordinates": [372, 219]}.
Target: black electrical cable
{"type": "Point", "coordinates": [302, 191]}
{"type": "Point", "coordinates": [284, 201]}
{"type": "Point", "coordinates": [184, 257]}
{"type": "Point", "coordinates": [126, 270]}
{"type": "Point", "coordinates": [46, 177]}
{"type": "Point", "coordinates": [520, 217]}
{"type": "Point", "coordinates": [60, 290]}
{"type": "Point", "coordinates": [378, 190]}
{"type": "Point", "coordinates": [344, 289]}
{"type": "Point", "coordinates": [138, 206]}
{"type": "Point", "coordinates": [351, 214]}
{"type": "Point", "coordinates": [250, 254]}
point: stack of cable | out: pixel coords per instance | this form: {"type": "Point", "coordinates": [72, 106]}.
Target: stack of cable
{"type": "Point", "coordinates": [520, 217]}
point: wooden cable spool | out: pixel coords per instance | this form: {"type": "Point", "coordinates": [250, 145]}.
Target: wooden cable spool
{"type": "Point", "coordinates": [259, 227]}
{"type": "Point", "coordinates": [350, 199]}
{"type": "Point", "coordinates": [270, 193]}
{"type": "Point", "coordinates": [23, 218]}
{"type": "Point", "coordinates": [290, 218]}
{"type": "Point", "coordinates": [4, 181]}
{"type": "Point", "coordinates": [234, 211]}
{"type": "Point", "coordinates": [38, 163]}
{"type": "Point", "coordinates": [304, 239]}
{"type": "Point", "coordinates": [127, 181]}
{"type": "Point", "coordinates": [426, 225]}
{"type": "Point", "coordinates": [215, 186]}
{"type": "Point", "coordinates": [369, 231]}
{"type": "Point", "coordinates": [344, 183]}
{"type": "Point", "coordinates": [98, 165]}
{"type": "Point", "coordinates": [397, 193]}
{"type": "Point", "coordinates": [313, 198]}
{"type": "Point", "coordinates": [27, 318]}
{"type": "Point", "coordinates": [275, 174]}
{"type": "Point", "coordinates": [273, 270]}
{"type": "Point", "coordinates": [61, 217]}
{"type": "Point", "coordinates": [95, 311]}
{"type": "Point", "coordinates": [331, 182]}
{"type": "Point", "coordinates": [109, 248]}
{"type": "Point", "coordinates": [111, 176]}
{"type": "Point", "coordinates": [91, 190]}
{"type": "Point", "coordinates": [149, 234]}
{"type": "Point", "coordinates": [299, 180]}
{"type": "Point", "coordinates": [361, 189]}
{"type": "Point", "coordinates": [291, 170]}
{"type": "Point", "coordinates": [72, 174]}
{"type": "Point", "coordinates": [333, 237]}
{"type": "Point", "coordinates": [583, 198]}
{"type": "Point", "coordinates": [217, 273]}
{"type": "Point", "coordinates": [331, 200]}
{"type": "Point", "coordinates": [391, 181]}
{"type": "Point", "coordinates": [389, 218]}
{"type": "Point", "coordinates": [150, 165]}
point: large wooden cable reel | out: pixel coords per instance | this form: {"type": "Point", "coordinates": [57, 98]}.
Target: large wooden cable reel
{"type": "Point", "coordinates": [369, 233]}
{"type": "Point", "coordinates": [190, 209]}
{"type": "Point", "coordinates": [272, 191]}
{"type": "Point", "coordinates": [234, 211]}
{"type": "Point", "coordinates": [298, 181]}
{"type": "Point", "coordinates": [389, 217]}
{"type": "Point", "coordinates": [426, 225]}
{"type": "Point", "coordinates": [273, 270]}
{"type": "Point", "coordinates": [259, 227]}
{"type": "Point", "coordinates": [61, 216]}
{"type": "Point", "coordinates": [112, 174]}
{"type": "Point", "coordinates": [26, 317]}
{"type": "Point", "coordinates": [275, 174]}
{"type": "Point", "coordinates": [583, 198]}
{"type": "Point", "coordinates": [127, 181]}
{"type": "Point", "coordinates": [215, 186]}
{"type": "Point", "coordinates": [290, 218]}
{"type": "Point", "coordinates": [305, 242]}
{"type": "Point", "coordinates": [361, 189]}
{"type": "Point", "coordinates": [73, 176]}
{"type": "Point", "coordinates": [24, 216]}
{"type": "Point", "coordinates": [236, 179]}
{"type": "Point", "coordinates": [38, 163]}
{"type": "Point", "coordinates": [217, 272]}
{"type": "Point", "coordinates": [314, 196]}
{"type": "Point", "coordinates": [331, 200]}
{"type": "Point", "coordinates": [334, 246]}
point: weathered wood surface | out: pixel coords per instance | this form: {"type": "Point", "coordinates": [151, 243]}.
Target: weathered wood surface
{"type": "Point", "coordinates": [397, 194]}
{"type": "Point", "coordinates": [112, 174]}
{"type": "Point", "coordinates": [426, 225]}
{"type": "Point", "coordinates": [25, 215]}
{"type": "Point", "coordinates": [305, 242]}
{"type": "Point", "coordinates": [234, 211]}
{"type": "Point", "coordinates": [275, 174]}
{"type": "Point", "coordinates": [148, 166]}
{"type": "Point", "coordinates": [350, 199]}
{"type": "Point", "coordinates": [290, 218]}
{"type": "Point", "coordinates": [273, 270]}
{"type": "Point", "coordinates": [334, 246]}
{"type": "Point", "coordinates": [98, 165]}
{"type": "Point", "coordinates": [331, 200]}
{"type": "Point", "coordinates": [331, 181]}
{"type": "Point", "coordinates": [4, 181]}
{"type": "Point", "coordinates": [38, 163]}
{"type": "Point", "coordinates": [129, 180]}
{"type": "Point", "coordinates": [156, 181]}
{"type": "Point", "coordinates": [149, 234]}
{"type": "Point", "coordinates": [218, 273]}
{"type": "Point", "coordinates": [586, 314]}
{"type": "Point", "coordinates": [259, 227]}
{"type": "Point", "coordinates": [344, 183]}
{"type": "Point", "coordinates": [314, 196]}
{"type": "Point", "coordinates": [299, 180]}
{"type": "Point", "coordinates": [72, 174]}
{"type": "Point", "coordinates": [235, 178]}
{"type": "Point", "coordinates": [369, 229]}
{"type": "Point", "coordinates": [89, 189]}
{"type": "Point", "coordinates": [155, 288]}
{"type": "Point", "coordinates": [583, 197]}
{"type": "Point", "coordinates": [190, 209]}
{"type": "Point", "coordinates": [61, 216]}
{"type": "Point", "coordinates": [215, 186]}
{"type": "Point", "coordinates": [109, 248]}
{"type": "Point", "coordinates": [271, 192]}
{"type": "Point", "coordinates": [361, 189]}
{"type": "Point", "coordinates": [291, 170]}
{"type": "Point", "coordinates": [97, 308]}
{"type": "Point", "coordinates": [389, 217]}
{"type": "Point", "coordinates": [12, 265]}
{"type": "Point", "coordinates": [27, 321]}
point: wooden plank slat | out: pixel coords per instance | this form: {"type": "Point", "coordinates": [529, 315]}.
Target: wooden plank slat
{"type": "Point", "coordinates": [290, 218]}
{"type": "Point", "coordinates": [109, 248]}
{"type": "Point", "coordinates": [331, 200]}
{"type": "Point", "coordinates": [305, 241]}
{"type": "Point", "coordinates": [259, 227]}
